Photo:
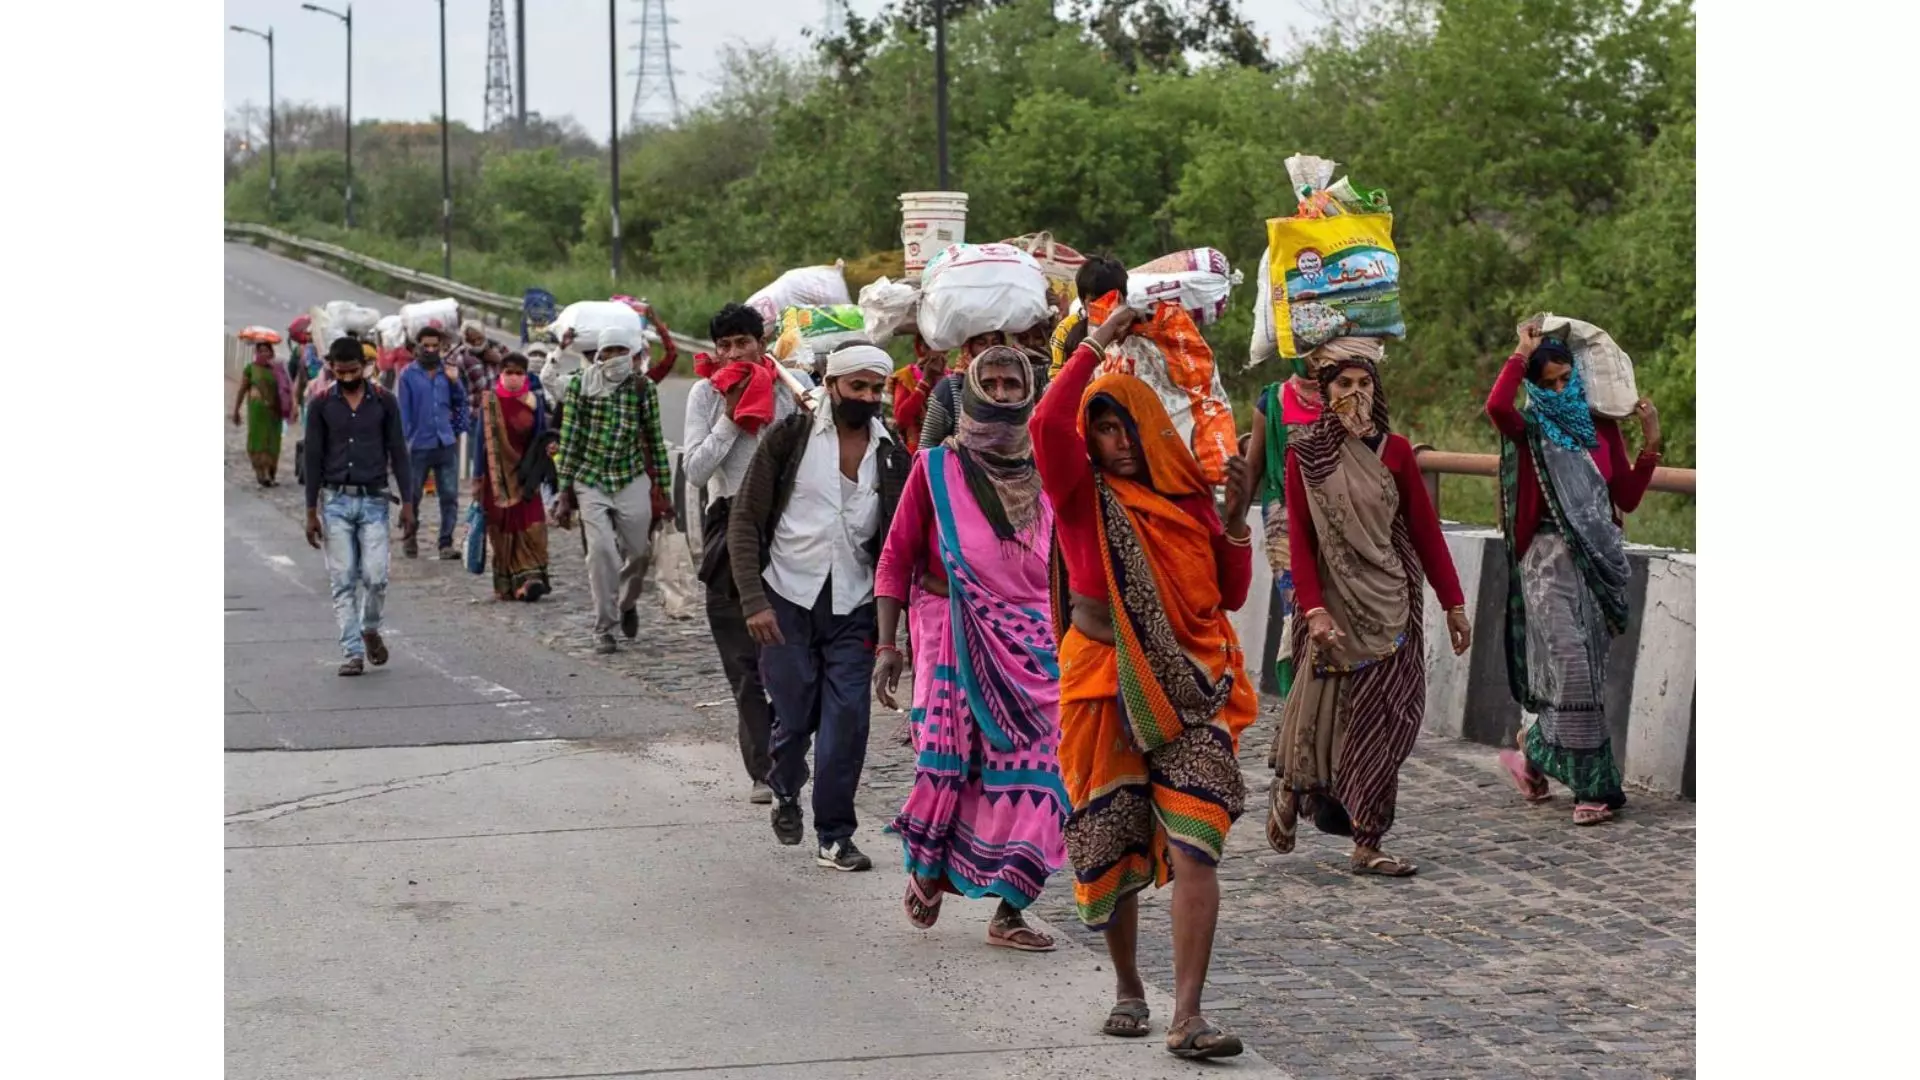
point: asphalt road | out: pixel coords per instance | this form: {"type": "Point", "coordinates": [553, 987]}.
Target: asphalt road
{"type": "Point", "coordinates": [266, 289]}
{"type": "Point", "coordinates": [455, 678]}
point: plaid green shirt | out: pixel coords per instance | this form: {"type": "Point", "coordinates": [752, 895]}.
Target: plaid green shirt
{"type": "Point", "coordinates": [606, 442]}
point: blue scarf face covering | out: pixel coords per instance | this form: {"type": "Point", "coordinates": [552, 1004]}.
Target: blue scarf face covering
{"type": "Point", "coordinates": [1564, 415]}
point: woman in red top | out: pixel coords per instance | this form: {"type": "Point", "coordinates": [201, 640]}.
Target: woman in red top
{"type": "Point", "coordinates": [1154, 690]}
{"type": "Point", "coordinates": [1363, 535]}
{"type": "Point", "coordinates": [1564, 482]}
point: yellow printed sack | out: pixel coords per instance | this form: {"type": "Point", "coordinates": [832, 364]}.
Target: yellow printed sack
{"type": "Point", "coordinates": [1333, 277]}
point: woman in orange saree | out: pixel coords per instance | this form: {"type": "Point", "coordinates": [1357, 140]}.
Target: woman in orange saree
{"type": "Point", "coordinates": [1154, 691]}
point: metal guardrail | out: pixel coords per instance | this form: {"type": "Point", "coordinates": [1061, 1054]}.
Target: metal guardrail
{"type": "Point", "coordinates": [501, 311]}
{"type": "Point", "coordinates": [1435, 463]}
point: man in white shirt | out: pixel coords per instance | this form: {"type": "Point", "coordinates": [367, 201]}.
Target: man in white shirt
{"type": "Point", "coordinates": [803, 535]}
{"type": "Point", "coordinates": [738, 396]}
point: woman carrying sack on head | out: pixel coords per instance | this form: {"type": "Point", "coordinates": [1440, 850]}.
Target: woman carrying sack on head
{"type": "Point", "coordinates": [1154, 690]}
{"type": "Point", "coordinates": [1564, 484]}
{"type": "Point", "coordinates": [1364, 538]}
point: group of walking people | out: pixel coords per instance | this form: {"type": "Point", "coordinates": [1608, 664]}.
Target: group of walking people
{"type": "Point", "coordinates": [1036, 544]}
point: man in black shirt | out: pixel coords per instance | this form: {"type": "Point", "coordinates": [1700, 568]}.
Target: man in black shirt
{"type": "Point", "coordinates": [353, 438]}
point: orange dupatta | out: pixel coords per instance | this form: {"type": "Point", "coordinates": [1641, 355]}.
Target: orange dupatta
{"type": "Point", "coordinates": [1176, 661]}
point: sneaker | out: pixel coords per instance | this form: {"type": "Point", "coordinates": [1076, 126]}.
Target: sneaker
{"type": "Point", "coordinates": [353, 665]}
{"type": "Point", "coordinates": [376, 649]}
{"type": "Point", "coordinates": [630, 623]}
{"type": "Point", "coordinates": [788, 827]}
{"type": "Point", "coordinates": [606, 645]}
{"type": "Point", "coordinates": [761, 795]}
{"type": "Point", "coordinates": [842, 855]}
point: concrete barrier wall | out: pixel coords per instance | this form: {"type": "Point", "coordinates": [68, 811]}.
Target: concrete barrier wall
{"type": "Point", "coordinates": [1650, 681]}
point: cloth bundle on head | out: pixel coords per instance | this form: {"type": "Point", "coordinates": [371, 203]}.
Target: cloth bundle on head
{"type": "Point", "coordinates": [755, 408]}
{"type": "Point", "coordinates": [852, 359]}
{"type": "Point", "coordinates": [995, 447]}
{"type": "Point", "coordinates": [301, 330]}
{"type": "Point", "coordinates": [1340, 351]}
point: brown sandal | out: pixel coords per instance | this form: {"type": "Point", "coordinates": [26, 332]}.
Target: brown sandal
{"type": "Point", "coordinates": [1018, 936]}
{"type": "Point", "coordinates": [1128, 1019]}
{"type": "Point", "coordinates": [1187, 1044]}
{"type": "Point", "coordinates": [1384, 865]}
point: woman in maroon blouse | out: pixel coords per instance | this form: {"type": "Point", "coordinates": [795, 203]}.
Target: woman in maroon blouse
{"type": "Point", "coordinates": [1363, 535]}
{"type": "Point", "coordinates": [1564, 482]}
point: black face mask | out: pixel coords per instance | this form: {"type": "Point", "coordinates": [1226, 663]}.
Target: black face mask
{"type": "Point", "coordinates": [350, 386]}
{"type": "Point", "coordinates": [853, 412]}
{"type": "Point", "coordinates": [429, 360]}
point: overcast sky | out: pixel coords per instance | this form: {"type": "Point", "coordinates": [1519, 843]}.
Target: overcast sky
{"type": "Point", "coordinates": [396, 62]}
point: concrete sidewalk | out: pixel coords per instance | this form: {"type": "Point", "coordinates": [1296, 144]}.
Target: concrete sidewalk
{"type": "Point", "coordinates": [548, 910]}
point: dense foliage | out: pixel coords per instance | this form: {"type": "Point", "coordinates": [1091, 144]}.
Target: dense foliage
{"type": "Point", "coordinates": [1539, 154]}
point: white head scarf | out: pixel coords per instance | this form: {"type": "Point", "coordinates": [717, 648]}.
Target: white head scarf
{"type": "Point", "coordinates": [857, 358]}
{"type": "Point", "coordinates": [602, 376]}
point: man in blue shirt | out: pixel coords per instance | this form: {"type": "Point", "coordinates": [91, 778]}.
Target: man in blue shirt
{"type": "Point", "coordinates": [433, 413]}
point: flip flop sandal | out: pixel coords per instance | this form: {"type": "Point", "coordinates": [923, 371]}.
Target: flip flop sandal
{"type": "Point", "coordinates": [1592, 814]}
{"type": "Point", "coordinates": [1384, 866]}
{"type": "Point", "coordinates": [1006, 938]}
{"type": "Point", "coordinates": [1283, 819]}
{"type": "Point", "coordinates": [922, 910]}
{"type": "Point", "coordinates": [1532, 786]}
{"type": "Point", "coordinates": [1127, 1009]}
{"type": "Point", "coordinates": [1223, 1044]}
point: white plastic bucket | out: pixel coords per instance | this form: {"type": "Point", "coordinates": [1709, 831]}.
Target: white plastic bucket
{"type": "Point", "coordinates": [929, 221]}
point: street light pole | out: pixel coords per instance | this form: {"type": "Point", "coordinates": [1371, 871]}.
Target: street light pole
{"type": "Point", "coordinates": [613, 96]}
{"type": "Point", "coordinates": [273, 165]}
{"type": "Point", "coordinates": [446, 168]}
{"type": "Point", "coordinates": [347, 18]}
{"type": "Point", "coordinates": [940, 83]}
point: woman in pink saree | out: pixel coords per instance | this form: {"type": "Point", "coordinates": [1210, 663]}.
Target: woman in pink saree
{"type": "Point", "coordinates": [969, 547]}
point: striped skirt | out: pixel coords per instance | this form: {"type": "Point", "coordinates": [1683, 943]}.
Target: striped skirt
{"type": "Point", "coordinates": [980, 821]}
{"type": "Point", "coordinates": [1130, 808]}
{"type": "Point", "coordinates": [1343, 737]}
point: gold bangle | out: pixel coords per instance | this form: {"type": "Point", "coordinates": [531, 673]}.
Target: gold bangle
{"type": "Point", "coordinates": [1246, 541]}
{"type": "Point", "coordinates": [1315, 611]}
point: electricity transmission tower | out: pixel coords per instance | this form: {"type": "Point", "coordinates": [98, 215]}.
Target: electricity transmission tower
{"type": "Point", "coordinates": [655, 100]}
{"type": "Point", "coordinates": [499, 111]}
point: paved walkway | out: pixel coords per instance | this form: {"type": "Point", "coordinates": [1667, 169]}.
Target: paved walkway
{"type": "Point", "coordinates": [1525, 947]}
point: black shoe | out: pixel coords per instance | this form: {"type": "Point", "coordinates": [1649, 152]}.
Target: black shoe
{"type": "Point", "coordinates": [376, 649]}
{"type": "Point", "coordinates": [410, 548]}
{"type": "Point", "coordinates": [788, 827]}
{"type": "Point", "coordinates": [353, 665]}
{"type": "Point", "coordinates": [606, 646]}
{"type": "Point", "coordinates": [448, 553]}
{"type": "Point", "coordinates": [842, 855]}
{"type": "Point", "coordinates": [630, 623]}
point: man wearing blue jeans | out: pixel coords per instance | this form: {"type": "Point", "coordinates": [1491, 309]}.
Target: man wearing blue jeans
{"type": "Point", "coordinates": [433, 413]}
{"type": "Point", "coordinates": [353, 437]}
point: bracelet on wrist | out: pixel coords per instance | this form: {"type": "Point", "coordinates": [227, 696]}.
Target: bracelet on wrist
{"type": "Point", "coordinates": [886, 649]}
